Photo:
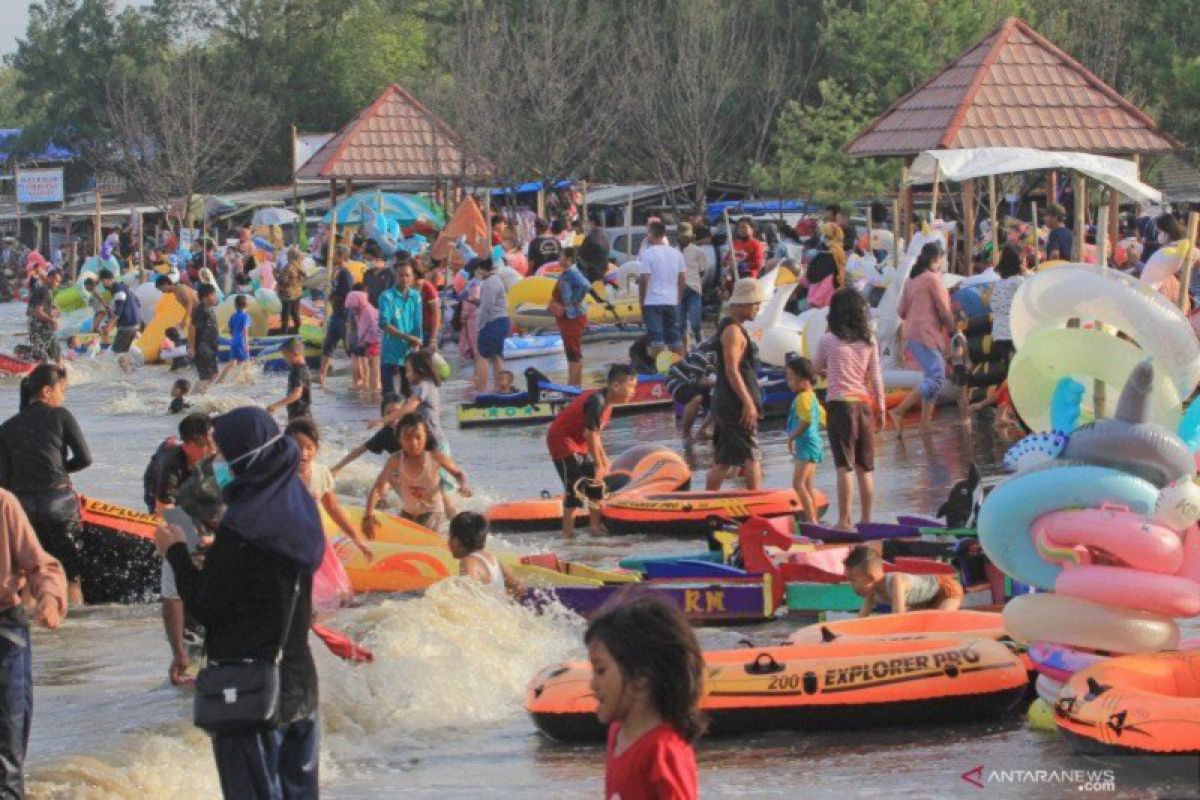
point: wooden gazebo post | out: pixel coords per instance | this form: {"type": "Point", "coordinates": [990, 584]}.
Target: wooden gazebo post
{"type": "Point", "coordinates": [968, 193]}
{"type": "Point", "coordinates": [1080, 216]}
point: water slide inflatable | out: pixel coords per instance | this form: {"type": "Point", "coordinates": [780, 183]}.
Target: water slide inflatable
{"type": "Point", "coordinates": [168, 313]}
{"type": "Point", "coordinates": [528, 297]}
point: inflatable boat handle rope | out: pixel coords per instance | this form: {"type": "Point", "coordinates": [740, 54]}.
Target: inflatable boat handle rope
{"type": "Point", "coordinates": [584, 485]}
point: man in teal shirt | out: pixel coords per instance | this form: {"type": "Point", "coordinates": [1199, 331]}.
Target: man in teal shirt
{"type": "Point", "coordinates": [400, 321]}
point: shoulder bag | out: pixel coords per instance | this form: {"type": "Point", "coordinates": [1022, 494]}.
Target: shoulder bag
{"type": "Point", "coordinates": [244, 694]}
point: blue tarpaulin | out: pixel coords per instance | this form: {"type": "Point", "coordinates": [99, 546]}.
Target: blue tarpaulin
{"type": "Point", "coordinates": [533, 186]}
{"type": "Point", "coordinates": [758, 208]}
{"type": "Point", "coordinates": [51, 152]}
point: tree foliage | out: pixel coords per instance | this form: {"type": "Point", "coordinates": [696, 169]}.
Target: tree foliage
{"type": "Point", "coordinates": [667, 90]}
{"type": "Point", "coordinates": [809, 161]}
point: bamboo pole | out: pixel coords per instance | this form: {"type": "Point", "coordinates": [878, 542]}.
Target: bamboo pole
{"type": "Point", "coordinates": [937, 179]}
{"type": "Point", "coordinates": [1099, 390]}
{"type": "Point", "coordinates": [141, 248]}
{"type": "Point", "coordinates": [906, 201]}
{"type": "Point", "coordinates": [629, 227]}
{"type": "Point", "coordinates": [1185, 276]}
{"type": "Point", "coordinates": [1102, 238]}
{"type": "Point", "coordinates": [994, 219]}
{"type": "Point", "coordinates": [584, 214]}
{"type": "Point", "coordinates": [1114, 218]}
{"type": "Point", "coordinates": [17, 200]}
{"type": "Point", "coordinates": [97, 234]}
{"type": "Point", "coordinates": [1080, 216]}
{"type": "Point", "coordinates": [895, 233]}
{"type": "Point", "coordinates": [968, 190]}
{"type": "Point", "coordinates": [1037, 253]}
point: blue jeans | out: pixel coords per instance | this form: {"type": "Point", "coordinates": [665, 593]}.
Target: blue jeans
{"type": "Point", "coordinates": [279, 764]}
{"type": "Point", "coordinates": [689, 313]}
{"type": "Point", "coordinates": [663, 325]}
{"type": "Point", "coordinates": [933, 364]}
{"type": "Point", "coordinates": [16, 697]}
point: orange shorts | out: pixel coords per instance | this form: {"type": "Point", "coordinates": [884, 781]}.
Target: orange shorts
{"type": "Point", "coordinates": [948, 587]}
{"type": "Point", "coordinates": [572, 336]}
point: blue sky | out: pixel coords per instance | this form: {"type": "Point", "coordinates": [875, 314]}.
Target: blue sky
{"type": "Point", "coordinates": [14, 16]}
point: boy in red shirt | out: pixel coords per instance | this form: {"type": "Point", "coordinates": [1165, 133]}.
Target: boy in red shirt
{"type": "Point", "coordinates": [747, 252]}
{"type": "Point", "coordinates": [574, 439]}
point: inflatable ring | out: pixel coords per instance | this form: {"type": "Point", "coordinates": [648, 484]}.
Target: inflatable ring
{"type": "Point", "coordinates": [1137, 542]}
{"type": "Point", "coordinates": [1080, 623]}
{"type": "Point", "coordinates": [1088, 356]}
{"type": "Point", "coordinates": [1168, 595]}
{"type": "Point", "coordinates": [1049, 299]}
{"type": "Point", "coordinates": [1059, 661]}
{"type": "Point", "coordinates": [1047, 689]}
{"type": "Point", "coordinates": [1041, 717]}
{"type": "Point", "coordinates": [1129, 441]}
{"type": "Point", "coordinates": [1006, 520]}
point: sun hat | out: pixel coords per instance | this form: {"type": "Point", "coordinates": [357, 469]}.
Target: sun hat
{"type": "Point", "coordinates": [747, 291]}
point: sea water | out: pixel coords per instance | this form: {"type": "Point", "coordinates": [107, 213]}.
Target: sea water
{"type": "Point", "coordinates": [439, 712]}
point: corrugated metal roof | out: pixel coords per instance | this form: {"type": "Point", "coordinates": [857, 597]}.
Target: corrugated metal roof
{"type": "Point", "coordinates": [1012, 89]}
{"type": "Point", "coordinates": [394, 138]}
{"type": "Point", "coordinates": [1179, 179]}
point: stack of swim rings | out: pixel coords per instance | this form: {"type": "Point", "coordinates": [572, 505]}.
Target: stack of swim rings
{"type": "Point", "coordinates": [1100, 516]}
{"type": "Point", "coordinates": [1103, 516]}
{"type": "Point", "coordinates": [1100, 302]}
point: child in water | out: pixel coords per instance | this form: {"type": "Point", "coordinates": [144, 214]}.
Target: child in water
{"type": "Point", "coordinates": [647, 676]}
{"type": "Point", "coordinates": [960, 362]}
{"type": "Point", "coordinates": [413, 472]}
{"type": "Point", "coordinates": [504, 382]}
{"type": "Point", "coordinates": [179, 393]}
{"type": "Point", "coordinates": [805, 418]}
{"type": "Point", "coordinates": [239, 337]}
{"type": "Point", "coordinates": [174, 347]}
{"type": "Point", "coordinates": [319, 480]}
{"type": "Point", "coordinates": [849, 358]}
{"type": "Point", "coordinates": [901, 591]}
{"type": "Point", "coordinates": [468, 538]}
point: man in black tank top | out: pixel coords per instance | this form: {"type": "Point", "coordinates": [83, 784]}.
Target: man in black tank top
{"type": "Point", "coordinates": [737, 398]}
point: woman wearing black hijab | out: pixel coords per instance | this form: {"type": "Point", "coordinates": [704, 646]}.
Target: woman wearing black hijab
{"type": "Point", "coordinates": [267, 547]}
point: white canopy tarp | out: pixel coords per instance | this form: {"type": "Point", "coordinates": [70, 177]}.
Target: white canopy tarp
{"type": "Point", "coordinates": [979, 162]}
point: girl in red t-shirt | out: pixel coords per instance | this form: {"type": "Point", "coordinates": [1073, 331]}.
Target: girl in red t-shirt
{"type": "Point", "coordinates": [647, 676]}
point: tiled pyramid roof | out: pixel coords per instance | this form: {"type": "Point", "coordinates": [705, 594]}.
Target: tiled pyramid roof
{"type": "Point", "coordinates": [1012, 89]}
{"type": "Point", "coordinates": [395, 138]}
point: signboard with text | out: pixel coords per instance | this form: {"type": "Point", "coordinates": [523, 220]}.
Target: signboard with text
{"type": "Point", "coordinates": [40, 185]}
{"type": "Point", "coordinates": [305, 146]}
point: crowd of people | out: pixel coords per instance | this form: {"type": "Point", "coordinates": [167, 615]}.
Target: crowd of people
{"type": "Point", "coordinates": [246, 555]}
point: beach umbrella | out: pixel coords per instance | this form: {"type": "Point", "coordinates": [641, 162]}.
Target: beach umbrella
{"type": "Point", "coordinates": [437, 216]}
{"type": "Point", "coordinates": [401, 207]}
{"type": "Point", "coordinates": [274, 216]}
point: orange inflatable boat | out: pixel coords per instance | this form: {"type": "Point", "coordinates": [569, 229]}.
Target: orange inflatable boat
{"type": "Point", "coordinates": [119, 561]}
{"type": "Point", "coordinates": [688, 513]}
{"type": "Point", "coordinates": [840, 684]}
{"type": "Point", "coordinates": [640, 470]}
{"type": "Point", "coordinates": [1135, 704]}
{"type": "Point", "coordinates": [984, 624]}
{"type": "Point", "coordinates": [408, 557]}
